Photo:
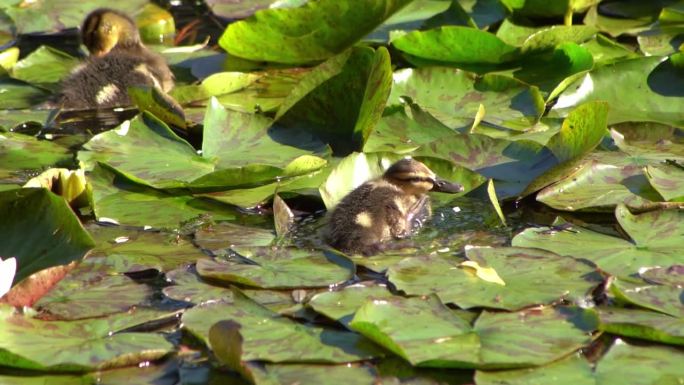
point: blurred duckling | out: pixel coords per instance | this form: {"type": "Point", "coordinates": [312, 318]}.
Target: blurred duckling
{"type": "Point", "coordinates": [118, 60]}
{"type": "Point", "coordinates": [385, 208]}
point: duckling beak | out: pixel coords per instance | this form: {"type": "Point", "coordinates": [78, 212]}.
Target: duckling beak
{"type": "Point", "coordinates": [441, 185]}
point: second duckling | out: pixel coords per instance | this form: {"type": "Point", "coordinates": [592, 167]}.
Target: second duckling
{"type": "Point", "coordinates": [385, 208]}
{"type": "Point", "coordinates": [118, 60]}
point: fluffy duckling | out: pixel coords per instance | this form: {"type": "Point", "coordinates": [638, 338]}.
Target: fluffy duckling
{"type": "Point", "coordinates": [118, 60]}
{"type": "Point", "coordinates": [385, 208]}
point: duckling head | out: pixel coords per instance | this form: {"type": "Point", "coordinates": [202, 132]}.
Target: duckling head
{"type": "Point", "coordinates": [415, 178]}
{"type": "Point", "coordinates": [104, 28]}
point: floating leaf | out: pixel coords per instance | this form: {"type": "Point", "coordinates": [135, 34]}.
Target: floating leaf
{"type": "Point", "coordinates": [40, 231]}
{"type": "Point", "coordinates": [314, 31]}
{"type": "Point", "coordinates": [44, 67]}
{"type": "Point", "coordinates": [219, 237]}
{"type": "Point", "coordinates": [279, 268]}
{"type": "Point", "coordinates": [456, 45]}
{"type": "Point", "coordinates": [520, 269]}
{"type": "Point", "coordinates": [668, 180]}
{"type": "Point", "coordinates": [74, 346]}
{"type": "Point", "coordinates": [647, 325]}
{"type": "Point", "coordinates": [454, 96]}
{"type": "Point", "coordinates": [650, 90]}
{"type": "Point", "coordinates": [20, 154]}
{"type": "Point", "coordinates": [73, 298]}
{"type": "Point", "coordinates": [654, 242]}
{"type": "Point", "coordinates": [342, 304]}
{"type": "Point", "coordinates": [426, 333]}
{"type": "Point", "coordinates": [263, 331]}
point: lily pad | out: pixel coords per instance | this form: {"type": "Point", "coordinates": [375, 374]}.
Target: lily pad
{"type": "Point", "coordinates": [74, 346]}
{"type": "Point", "coordinates": [219, 237]}
{"type": "Point", "coordinates": [342, 304]}
{"type": "Point", "coordinates": [531, 277]}
{"type": "Point", "coordinates": [646, 364]}
{"type": "Point", "coordinates": [44, 67]}
{"type": "Point", "coordinates": [426, 333]}
{"type": "Point", "coordinates": [123, 149]}
{"type": "Point", "coordinates": [40, 231]}
{"type": "Point", "coordinates": [454, 96]}
{"type": "Point", "coordinates": [73, 298]}
{"type": "Point", "coordinates": [668, 180]}
{"type": "Point", "coordinates": [263, 332]}
{"type": "Point", "coordinates": [649, 90]}
{"type": "Point", "coordinates": [314, 31]}
{"type": "Point", "coordinates": [642, 364]}
{"type": "Point", "coordinates": [456, 45]}
{"type": "Point", "coordinates": [145, 250]}
{"type": "Point", "coordinates": [49, 16]}
{"type": "Point", "coordinates": [647, 325]}
{"type": "Point", "coordinates": [22, 154]}
{"type": "Point", "coordinates": [116, 199]}
{"type": "Point", "coordinates": [236, 138]}
{"type": "Point", "coordinates": [285, 268]}
{"type": "Point", "coordinates": [661, 298]}
{"type": "Point", "coordinates": [655, 242]}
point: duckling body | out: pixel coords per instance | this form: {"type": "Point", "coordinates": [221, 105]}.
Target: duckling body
{"type": "Point", "coordinates": [386, 208]}
{"type": "Point", "coordinates": [118, 60]}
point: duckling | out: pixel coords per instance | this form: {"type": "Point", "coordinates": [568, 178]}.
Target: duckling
{"type": "Point", "coordinates": [118, 60]}
{"type": "Point", "coordinates": [385, 208]}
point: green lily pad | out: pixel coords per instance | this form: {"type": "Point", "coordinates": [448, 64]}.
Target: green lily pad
{"type": "Point", "coordinates": [342, 304]}
{"type": "Point", "coordinates": [116, 199]}
{"type": "Point", "coordinates": [417, 15]}
{"type": "Point", "coordinates": [219, 237]}
{"type": "Point", "coordinates": [661, 298]}
{"type": "Point", "coordinates": [643, 365]}
{"type": "Point", "coordinates": [263, 332]}
{"type": "Point", "coordinates": [573, 370]}
{"type": "Point", "coordinates": [404, 130]}
{"type": "Point", "coordinates": [219, 83]}
{"type": "Point", "coordinates": [647, 325]}
{"type": "Point", "coordinates": [599, 182]}
{"type": "Point", "coordinates": [20, 155]}
{"type": "Point", "coordinates": [126, 148]}
{"type": "Point", "coordinates": [634, 17]}
{"type": "Point", "coordinates": [581, 132]}
{"type": "Point", "coordinates": [344, 105]}
{"type": "Point", "coordinates": [273, 374]}
{"type": "Point", "coordinates": [44, 67]}
{"type": "Point", "coordinates": [454, 96]}
{"type": "Point", "coordinates": [268, 93]}
{"type": "Point", "coordinates": [426, 333]}
{"type": "Point", "coordinates": [144, 250]}
{"type": "Point", "coordinates": [655, 242]}
{"type": "Point", "coordinates": [189, 287]}
{"type": "Point", "coordinates": [531, 277]}
{"type": "Point", "coordinates": [668, 180]}
{"type": "Point", "coordinates": [607, 51]}
{"type": "Point", "coordinates": [73, 298]}
{"type": "Point", "coordinates": [74, 346]}
{"type": "Point", "coordinates": [538, 8]}
{"type": "Point", "coordinates": [285, 268]}
{"type": "Point", "coordinates": [314, 31]}
{"type": "Point", "coordinates": [40, 231]}
{"type": "Point", "coordinates": [456, 45]}
{"type": "Point", "coordinates": [649, 90]}
{"type": "Point", "coordinates": [670, 276]}
{"type": "Point", "coordinates": [236, 139]}
{"type": "Point", "coordinates": [17, 94]}
{"type": "Point", "coordinates": [49, 16]}
{"type": "Point", "coordinates": [549, 38]}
